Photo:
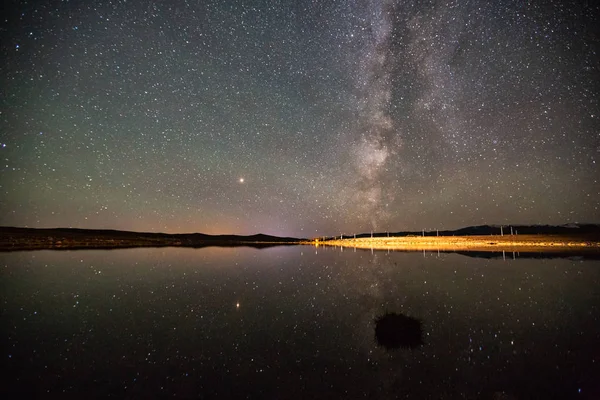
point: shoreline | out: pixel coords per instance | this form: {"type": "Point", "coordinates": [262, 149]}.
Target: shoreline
{"type": "Point", "coordinates": [540, 243]}
{"type": "Point", "coordinates": [23, 239]}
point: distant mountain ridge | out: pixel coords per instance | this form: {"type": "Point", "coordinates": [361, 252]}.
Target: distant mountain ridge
{"type": "Point", "coordinates": [14, 238]}
{"type": "Point", "coordinates": [530, 229]}
{"type": "Point", "coordinates": [113, 233]}
{"type": "Point", "coordinates": [477, 230]}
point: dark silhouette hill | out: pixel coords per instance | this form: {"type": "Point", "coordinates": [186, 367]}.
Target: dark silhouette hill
{"type": "Point", "coordinates": [587, 230]}
{"type": "Point", "coordinates": [14, 238]}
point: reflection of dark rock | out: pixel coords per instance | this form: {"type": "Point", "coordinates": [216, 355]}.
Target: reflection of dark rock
{"type": "Point", "coordinates": [394, 331]}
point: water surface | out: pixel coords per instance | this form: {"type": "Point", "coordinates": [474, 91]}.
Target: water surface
{"type": "Point", "coordinates": [295, 322]}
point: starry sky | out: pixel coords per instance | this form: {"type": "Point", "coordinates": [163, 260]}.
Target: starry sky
{"type": "Point", "coordinates": [298, 117]}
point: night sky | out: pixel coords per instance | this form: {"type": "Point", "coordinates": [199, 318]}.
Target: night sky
{"type": "Point", "coordinates": [298, 117]}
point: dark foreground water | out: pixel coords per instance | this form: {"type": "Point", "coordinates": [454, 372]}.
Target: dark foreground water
{"type": "Point", "coordinates": [291, 323]}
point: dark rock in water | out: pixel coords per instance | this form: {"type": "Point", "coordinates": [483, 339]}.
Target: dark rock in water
{"type": "Point", "coordinates": [397, 331]}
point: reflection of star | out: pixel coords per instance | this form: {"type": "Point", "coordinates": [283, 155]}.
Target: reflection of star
{"type": "Point", "coordinates": [237, 305]}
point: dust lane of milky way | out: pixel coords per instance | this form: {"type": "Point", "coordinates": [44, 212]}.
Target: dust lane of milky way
{"type": "Point", "coordinates": [298, 118]}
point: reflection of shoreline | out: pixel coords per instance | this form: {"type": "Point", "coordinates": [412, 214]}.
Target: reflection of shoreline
{"type": "Point", "coordinates": [96, 246]}
{"type": "Point", "coordinates": [590, 254]}
{"type": "Point", "coordinates": [507, 243]}
{"type": "Point", "coordinates": [587, 254]}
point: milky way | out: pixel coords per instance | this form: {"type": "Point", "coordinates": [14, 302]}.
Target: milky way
{"type": "Point", "coordinates": [374, 86]}
{"type": "Point", "coordinates": [298, 118]}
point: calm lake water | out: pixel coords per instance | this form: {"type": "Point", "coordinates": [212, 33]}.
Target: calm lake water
{"type": "Point", "coordinates": [295, 322]}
